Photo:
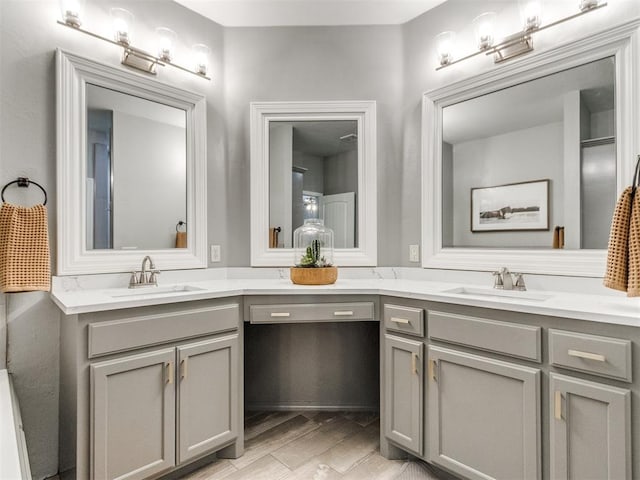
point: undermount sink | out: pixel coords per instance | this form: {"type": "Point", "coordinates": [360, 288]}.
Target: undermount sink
{"type": "Point", "coordinates": [506, 294]}
{"type": "Point", "coordinates": [156, 291]}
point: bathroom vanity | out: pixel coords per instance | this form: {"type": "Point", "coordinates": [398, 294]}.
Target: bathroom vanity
{"type": "Point", "coordinates": [477, 382]}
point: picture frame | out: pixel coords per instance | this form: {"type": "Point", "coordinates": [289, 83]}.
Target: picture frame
{"type": "Point", "coordinates": [522, 206]}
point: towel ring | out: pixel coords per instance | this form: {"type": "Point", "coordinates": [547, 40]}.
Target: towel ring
{"type": "Point", "coordinates": [180, 224]}
{"type": "Point", "coordinates": [24, 182]}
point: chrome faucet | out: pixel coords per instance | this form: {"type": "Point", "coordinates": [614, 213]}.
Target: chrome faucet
{"type": "Point", "coordinates": [145, 278]}
{"type": "Point", "coordinates": [503, 280]}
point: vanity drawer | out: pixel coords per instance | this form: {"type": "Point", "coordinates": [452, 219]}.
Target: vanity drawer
{"type": "Point", "coordinates": [515, 340]}
{"type": "Point", "coordinates": [312, 312]}
{"type": "Point", "coordinates": [144, 330]}
{"type": "Point", "coordinates": [407, 320]}
{"type": "Point", "coordinates": [603, 356]}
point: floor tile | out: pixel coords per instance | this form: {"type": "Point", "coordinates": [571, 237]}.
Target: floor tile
{"type": "Point", "coordinates": [316, 442]}
{"type": "Point", "coordinates": [265, 468]}
{"type": "Point", "coordinates": [375, 467]}
{"type": "Point", "coordinates": [263, 421]}
{"type": "Point", "coordinates": [274, 438]}
{"type": "Point", "coordinates": [353, 449]}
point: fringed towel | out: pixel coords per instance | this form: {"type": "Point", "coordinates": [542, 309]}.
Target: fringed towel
{"type": "Point", "coordinates": [24, 249]}
{"type": "Point", "coordinates": [623, 256]}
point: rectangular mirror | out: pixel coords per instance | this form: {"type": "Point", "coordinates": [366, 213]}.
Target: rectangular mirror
{"type": "Point", "coordinates": [128, 178]}
{"type": "Point", "coordinates": [517, 136]}
{"type": "Point", "coordinates": [313, 173]}
{"type": "Point", "coordinates": [313, 160]}
{"type": "Point", "coordinates": [528, 152]}
{"type": "Point", "coordinates": [131, 170]}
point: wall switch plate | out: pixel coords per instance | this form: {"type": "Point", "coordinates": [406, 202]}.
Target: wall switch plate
{"type": "Point", "coordinates": [414, 253]}
{"type": "Point", "coordinates": [215, 253]}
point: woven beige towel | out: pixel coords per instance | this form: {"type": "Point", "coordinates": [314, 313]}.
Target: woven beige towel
{"type": "Point", "coordinates": [633, 282]}
{"type": "Point", "coordinates": [24, 249]}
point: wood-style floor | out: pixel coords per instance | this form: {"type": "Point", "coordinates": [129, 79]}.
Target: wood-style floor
{"type": "Point", "coordinates": [308, 446]}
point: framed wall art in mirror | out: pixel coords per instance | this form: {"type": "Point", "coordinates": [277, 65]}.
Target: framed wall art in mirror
{"type": "Point", "coordinates": [567, 115]}
{"type": "Point", "coordinates": [131, 168]}
{"type": "Point", "coordinates": [313, 160]}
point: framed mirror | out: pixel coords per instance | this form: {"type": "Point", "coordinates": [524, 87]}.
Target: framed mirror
{"type": "Point", "coordinates": [522, 166]}
{"type": "Point", "coordinates": [313, 160]}
{"type": "Point", "coordinates": [131, 170]}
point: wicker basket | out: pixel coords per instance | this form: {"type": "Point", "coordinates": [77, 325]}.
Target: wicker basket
{"type": "Point", "coordinates": [314, 276]}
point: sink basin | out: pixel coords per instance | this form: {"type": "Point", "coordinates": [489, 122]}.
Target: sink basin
{"type": "Point", "coordinates": [506, 294]}
{"type": "Point", "coordinates": [154, 291]}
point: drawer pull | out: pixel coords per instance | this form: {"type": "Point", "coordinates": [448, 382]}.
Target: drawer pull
{"type": "Point", "coordinates": [587, 355]}
{"type": "Point", "coordinates": [280, 314]}
{"type": "Point", "coordinates": [414, 363]}
{"type": "Point", "coordinates": [432, 370]}
{"type": "Point", "coordinates": [183, 365]}
{"type": "Point", "coordinates": [170, 372]}
{"type": "Point", "coordinates": [344, 313]}
{"type": "Point", "coordinates": [558, 405]}
{"type": "Point", "coordinates": [398, 320]}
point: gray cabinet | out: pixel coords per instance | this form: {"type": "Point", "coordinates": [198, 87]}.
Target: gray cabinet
{"type": "Point", "coordinates": [590, 430]}
{"type": "Point", "coordinates": [133, 415]}
{"type": "Point", "coordinates": [135, 422]}
{"type": "Point", "coordinates": [403, 392]}
{"type": "Point", "coordinates": [483, 416]}
{"type": "Point", "coordinates": [207, 396]}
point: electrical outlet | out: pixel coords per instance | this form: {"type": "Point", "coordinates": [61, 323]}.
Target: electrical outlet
{"type": "Point", "coordinates": [215, 253]}
{"type": "Point", "coordinates": [414, 253]}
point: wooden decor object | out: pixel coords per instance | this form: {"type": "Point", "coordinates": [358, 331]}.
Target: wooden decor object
{"type": "Point", "coordinates": [314, 276]}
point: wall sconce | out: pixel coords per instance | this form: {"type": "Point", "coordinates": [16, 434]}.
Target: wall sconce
{"type": "Point", "coordinates": [122, 20]}
{"type": "Point", "coordinates": [511, 46]}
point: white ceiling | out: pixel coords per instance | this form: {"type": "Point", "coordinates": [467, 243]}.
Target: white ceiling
{"type": "Point", "coordinates": [262, 13]}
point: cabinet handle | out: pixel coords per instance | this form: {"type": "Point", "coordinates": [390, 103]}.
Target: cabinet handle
{"type": "Point", "coordinates": [557, 409]}
{"type": "Point", "coordinates": [170, 372]}
{"type": "Point", "coordinates": [414, 363]}
{"type": "Point", "coordinates": [280, 314]}
{"type": "Point", "coordinates": [403, 321]}
{"type": "Point", "coordinates": [433, 365]}
{"type": "Point", "coordinates": [344, 313]}
{"type": "Point", "coordinates": [183, 366]}
{"type": "Point", "coordinates": [587, 355]}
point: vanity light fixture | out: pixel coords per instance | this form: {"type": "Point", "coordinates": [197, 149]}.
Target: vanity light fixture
{"type": "Point", "coordinates": [122, 36]}
{"type": "Point", "coordinates": [511, 46]}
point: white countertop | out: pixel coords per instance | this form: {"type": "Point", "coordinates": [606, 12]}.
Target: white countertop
{"type": "Point", "coordinates": [73, 298]}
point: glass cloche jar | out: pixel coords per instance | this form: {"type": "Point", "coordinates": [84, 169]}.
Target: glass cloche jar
{"type": "Point", "coordinates": [313, 254]}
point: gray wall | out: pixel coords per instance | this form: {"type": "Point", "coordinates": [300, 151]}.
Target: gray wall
{"type": "Point", "coordinates": [316, 63]}
{"type": "Point", "coordinates": [500, 160]}
{"type": "Point", "coordinates": [341, 173]}
{"type": "Point", "coordinates": [29, 35]}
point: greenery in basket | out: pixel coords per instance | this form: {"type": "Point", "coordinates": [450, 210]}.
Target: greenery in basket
{"type": "Point", "coordinates": [312, 258]}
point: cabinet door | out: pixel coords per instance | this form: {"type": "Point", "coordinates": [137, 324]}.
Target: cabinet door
{"type": "Point", "coordinates": [590, 430]}
{"type": "Point", "coordinates": [208, 396]}
{"type": "Point", "coordinates": [133, 416]}
{"type": "Point", "coordinates": [404, 379]}
{"type": "Point", "coordinates": [484, 416]}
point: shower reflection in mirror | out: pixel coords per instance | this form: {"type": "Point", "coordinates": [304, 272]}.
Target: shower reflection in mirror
{"type": "Point", "coordinates": [313, 173]}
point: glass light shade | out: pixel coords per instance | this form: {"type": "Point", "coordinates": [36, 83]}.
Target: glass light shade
{"type": "Point", "coordinates": [531, 14]}
{"type": "Point", "coordinates": [122, 25]}
{"type": "Point", "coordinates": [587, 4]}
{"type": "Point", "coordinates": [444, 46]}
{"type": "Point", "coordinates": [166, 43]}
{"type": "Point", "coordinates": [72, 11]}
{"type": "Point", "coordinates": [313, 244]}
{"type": "Point", "coordinates": [201, 58]}
{"type": "Point", "coordinates": [483, 26]}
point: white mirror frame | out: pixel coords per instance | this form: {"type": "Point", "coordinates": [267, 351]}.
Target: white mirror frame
{"type": "Point", "coordinates": [620, 42]}
{"type": "Point", "coordinates": [73, 72]}
{"type": "Point", "coordinates": [364, 112]}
